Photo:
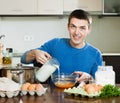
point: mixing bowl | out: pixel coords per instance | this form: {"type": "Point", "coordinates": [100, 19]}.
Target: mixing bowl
{"type": "Point", "coordinates": [64, 80]}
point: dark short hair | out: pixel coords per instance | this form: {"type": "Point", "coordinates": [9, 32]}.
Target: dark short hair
{"type": "Point", "coordinates": [80, 14]}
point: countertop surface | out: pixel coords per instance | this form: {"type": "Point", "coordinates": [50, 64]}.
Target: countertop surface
{"type": "Point", "coordinates": [110, 54]}
{"type": "Point", "coordinates": [55, 95]}
{"type": "Point", "coordinates": [103, 54]}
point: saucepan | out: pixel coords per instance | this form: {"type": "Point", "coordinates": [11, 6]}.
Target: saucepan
{"type": "Point", "coordinates": [19, 73]}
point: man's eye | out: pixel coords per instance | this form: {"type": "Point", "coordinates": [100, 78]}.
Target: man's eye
{"type": "Point", "coordinates": [72, 26]}
{"type": "Point", "coordinates": [82, 28]}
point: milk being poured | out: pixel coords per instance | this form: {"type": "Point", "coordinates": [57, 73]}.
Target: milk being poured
{"type": "Point", "coordinates": [47, 69]}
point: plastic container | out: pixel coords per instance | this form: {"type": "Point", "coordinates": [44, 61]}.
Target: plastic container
{"type": "Point", "coordinates": [105, 75]}
{"type": "Point", "coordinates": [43, 73]}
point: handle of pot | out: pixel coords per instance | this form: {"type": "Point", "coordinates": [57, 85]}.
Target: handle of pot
{"type": "Point", "coordinates": [18, 72]}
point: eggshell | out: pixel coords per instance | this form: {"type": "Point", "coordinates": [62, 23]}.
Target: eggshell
{"type": "Point", "coordinates": [32, 87]}
{"type": "Point", "coordinates": [91, 90]}
{"type": "Point", "coordinates": [99, 87]}
{"type": "Point", "coordinates": [25, 86]}
{"type": "Point", "coordinates": [39, 87]}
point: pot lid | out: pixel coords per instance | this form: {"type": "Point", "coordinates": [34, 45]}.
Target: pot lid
{"type": "Point", "coordinates": [19, 67]}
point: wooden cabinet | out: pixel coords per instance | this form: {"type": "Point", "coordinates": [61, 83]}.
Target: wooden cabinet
{"type": "Point", "coordinates": [31, 7]}
{"type": "Point", "coordinates": [50, 7]}
{"type": "Point", "coordinates": [113, 60]}
{"type": "Point", "coordinates": [88, 5]}
{"type": "Point", "coordinates": [46, 7]}
{"type": "Point", "coordinates": [19, 7]}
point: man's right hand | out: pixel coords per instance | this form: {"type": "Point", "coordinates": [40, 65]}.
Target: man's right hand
{"type": "Point", "coordinates": [41, 56]}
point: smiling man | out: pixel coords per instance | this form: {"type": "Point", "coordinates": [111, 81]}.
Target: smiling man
{"type": "Point", "coordinates": [74, 54]}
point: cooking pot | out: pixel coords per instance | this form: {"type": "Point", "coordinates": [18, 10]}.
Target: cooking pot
{"type": "Point", "coordinates": [19, 73]}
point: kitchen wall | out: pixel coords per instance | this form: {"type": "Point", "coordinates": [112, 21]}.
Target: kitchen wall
{"type": "Point", "coordinates": [24, 33]}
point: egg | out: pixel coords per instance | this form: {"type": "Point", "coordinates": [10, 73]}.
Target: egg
{"type": "Point", "coordinates": [32, 87]}
{"type": "Point", "coordinates": [25, 86]}
{"type": "Point", "coordinates": [86, 86]}
{"type": "Point", "coordinates": [39, 87]}
{"type": "Point", "coordinates": [92, 88]}
{"type": "Point", "coordinates": [99, 87]}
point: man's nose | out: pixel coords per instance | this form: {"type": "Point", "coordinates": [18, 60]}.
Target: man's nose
{"type": "Point", "coordinates": [77, 31]}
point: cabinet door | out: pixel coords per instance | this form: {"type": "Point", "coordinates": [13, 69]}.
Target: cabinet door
{"type": "Point", "coordinates": [113, 60]}
{"type": "Point", "coordinates": [50, 7]}
{"type": "Point", "coordinates": [18, 7]}
{"type": "Point", "coordinates": [88, 5]}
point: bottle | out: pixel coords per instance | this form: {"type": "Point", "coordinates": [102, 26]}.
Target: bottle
{"type": "Point", "coordinates": [43, 73]}
{"type": "Point", "coordinates": [105, 75]}
{"type": "Point", "coordinates": [7, 58]}
{"type": "Point", "coordinates": [1, 48]}
{"type": "Point", "coordinates": [1, 54]}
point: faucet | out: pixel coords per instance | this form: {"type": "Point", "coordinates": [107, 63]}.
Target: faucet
{"type": "Point", "coordinates": [1, 36]}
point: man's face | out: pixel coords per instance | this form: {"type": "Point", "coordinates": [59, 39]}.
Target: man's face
{"type": "Point", "coordinates": [78, 30]}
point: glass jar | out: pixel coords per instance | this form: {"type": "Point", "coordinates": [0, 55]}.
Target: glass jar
{"type": "Point", "coordinates": [105, 75]}
{"type": "Point", "coordinates": [43, 73]}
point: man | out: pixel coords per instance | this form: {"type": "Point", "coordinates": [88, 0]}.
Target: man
{"type": "Point", "coordinates": [74, 54]}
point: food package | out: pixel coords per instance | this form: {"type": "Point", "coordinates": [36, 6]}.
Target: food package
{"type": "Point", "coordinates": [8, 87]}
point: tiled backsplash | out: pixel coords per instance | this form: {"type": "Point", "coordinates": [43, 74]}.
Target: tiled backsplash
{"type": "Point", "coordinates": [24, 33]}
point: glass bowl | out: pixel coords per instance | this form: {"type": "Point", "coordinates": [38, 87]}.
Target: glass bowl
{"type": "Point", "coordinates": [64, 80]}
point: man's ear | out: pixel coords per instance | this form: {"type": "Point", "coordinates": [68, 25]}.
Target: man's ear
{"type": "Point", "coordinates": [90, 29]}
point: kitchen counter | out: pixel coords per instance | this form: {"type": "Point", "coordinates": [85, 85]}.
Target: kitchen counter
{"type": "Point", "coordinates": [103, 54]}
{"type": "Point", "coordinates": [110, 54]}
{"type": "Point", "coordinates": [55, 95]}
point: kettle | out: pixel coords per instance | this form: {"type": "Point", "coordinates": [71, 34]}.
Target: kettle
{"type": "Point", "coordinates": [43, 73]}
